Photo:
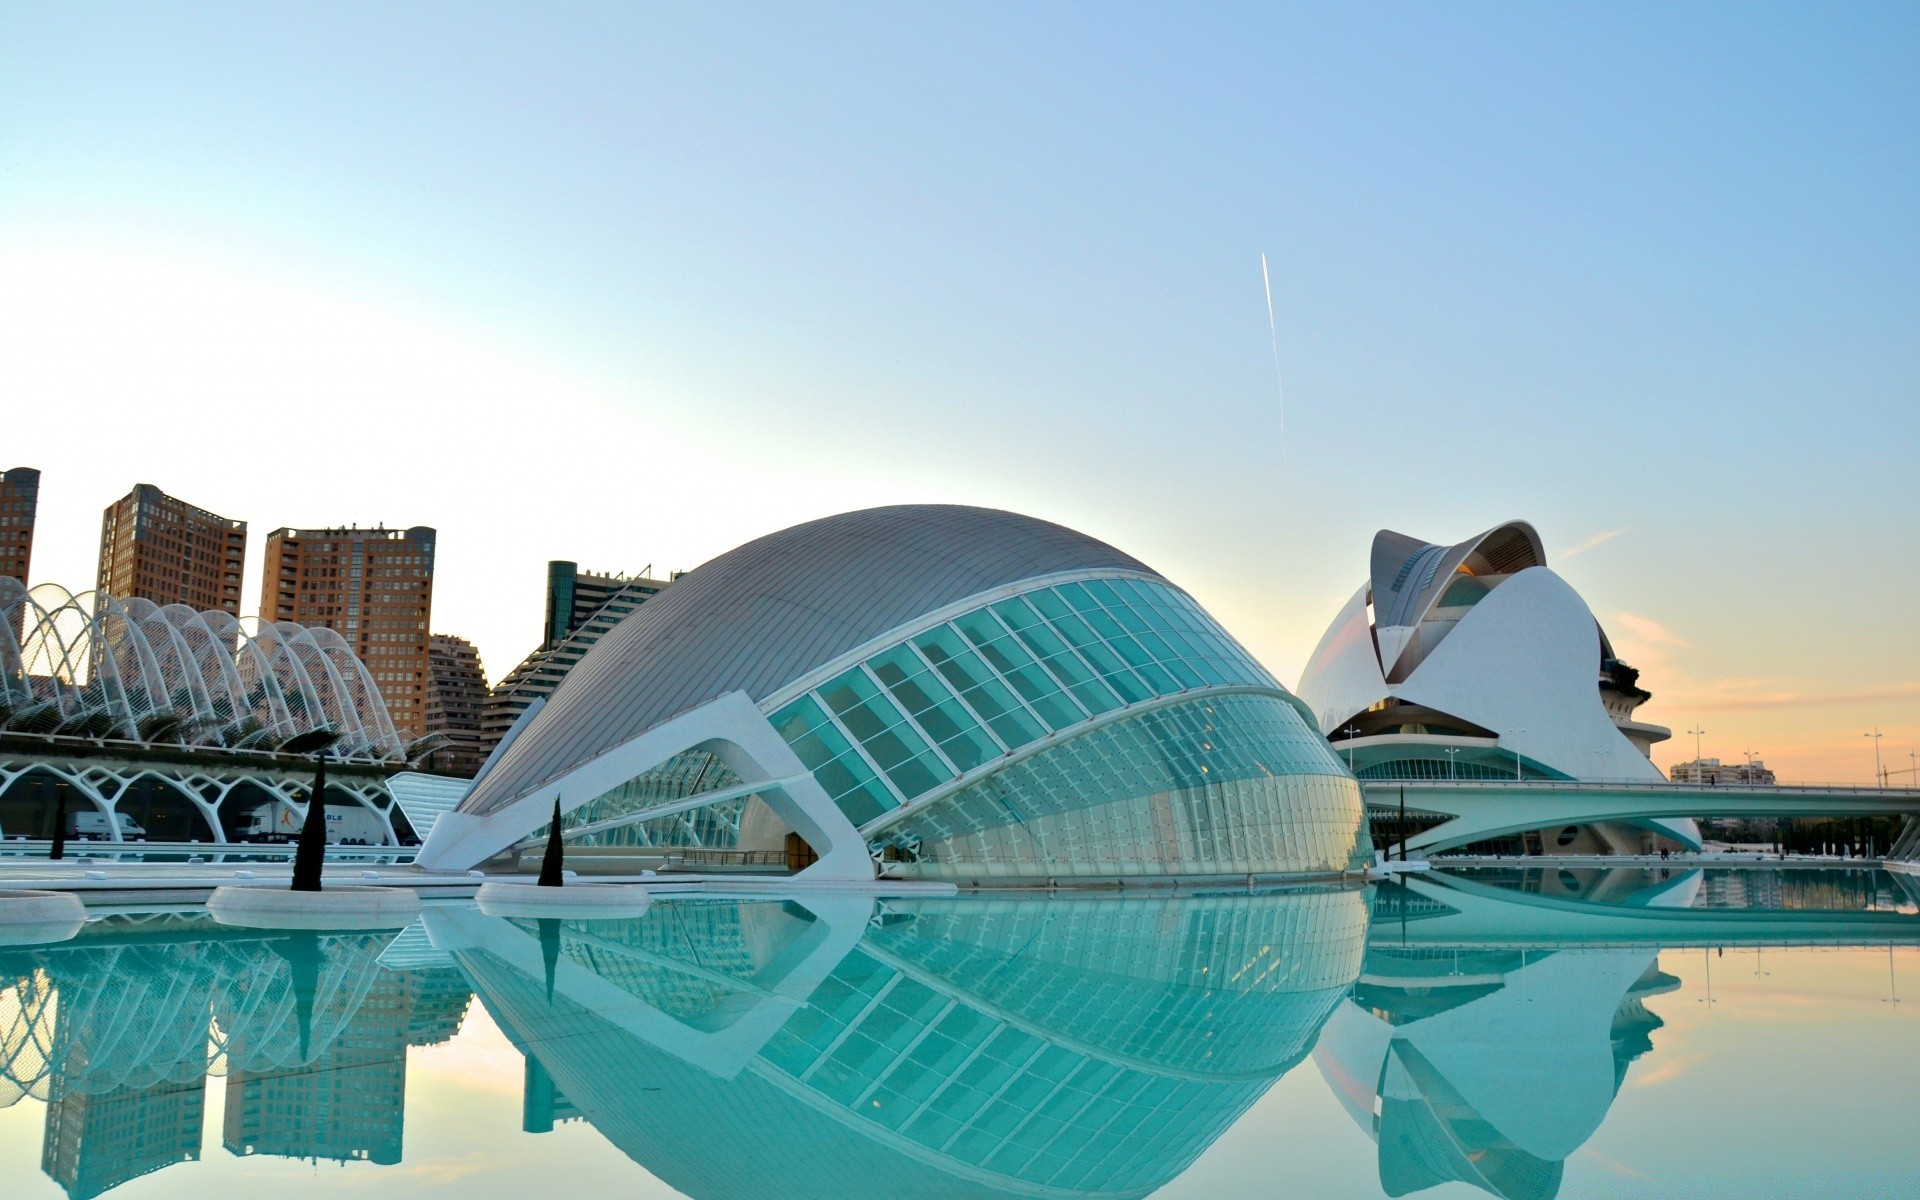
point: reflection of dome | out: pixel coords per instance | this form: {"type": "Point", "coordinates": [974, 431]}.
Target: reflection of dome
{"type": "Point", "coordinates": [1489, 1066]}
{"type": "Point", "coordinates": [1476, 661]}
{"type": "Point", "coordinates": [953, 692]}
{"type": "Point", "coordinates": [936, 1048]}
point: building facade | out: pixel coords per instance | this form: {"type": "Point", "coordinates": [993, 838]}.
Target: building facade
{"type": "Point", "coordinates": [926, 691]}
{"type": "Point", "coordinates": [374, 587]}
{"type": "Point", "coordinates": [581, 609]}
{"type": "Point", "coordinates": [160, 548]}
{"type": "Point", "coordinates": [1476, 662]}
{"type": "Point", "coordinates": [456, 696]}
{"type": "Point", "coordinates": [1713, 771]}
{"type": "Point", "coordinates": [19, 503]}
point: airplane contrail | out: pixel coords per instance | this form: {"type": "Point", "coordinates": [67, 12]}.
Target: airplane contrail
{"type": "Point", "coordinates": [1273, 336]}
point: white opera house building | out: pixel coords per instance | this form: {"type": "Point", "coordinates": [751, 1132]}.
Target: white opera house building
{"type": "Point", "coordinates": [1476, 661]}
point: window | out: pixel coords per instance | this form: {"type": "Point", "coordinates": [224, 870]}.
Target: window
{"type": "Point", "coordinates": [1002, 677]}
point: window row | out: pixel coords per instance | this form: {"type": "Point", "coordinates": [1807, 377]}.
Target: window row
{"type": "Point", "coordinates": [999, 678]}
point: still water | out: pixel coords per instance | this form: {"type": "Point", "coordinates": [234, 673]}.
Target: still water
{"type": "Point", "coordinates": [1521, 1034]}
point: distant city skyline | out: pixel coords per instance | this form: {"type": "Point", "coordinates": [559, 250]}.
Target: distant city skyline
{"type": "Point", "coordinates": [626, 289]}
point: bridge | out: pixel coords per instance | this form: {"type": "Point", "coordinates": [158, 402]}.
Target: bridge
{"type": "Point", "coordinates": [1442, 910]}
{"type": "Point", "coordinates": [1476, 810]}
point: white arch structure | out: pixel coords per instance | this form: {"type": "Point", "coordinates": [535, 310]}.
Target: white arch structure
{"type": "Point", "coordinates": [92, 665]}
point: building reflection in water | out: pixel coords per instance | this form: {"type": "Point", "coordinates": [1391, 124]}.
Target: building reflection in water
{"type": "Point", "coordinates": [119, 1030]}
{"type": "Point", "coordinates": [1498, 1011]}
{"type": "Point", "coordinates": [1476, 1026]}
{"type": "Point", "coordinates": [956, 1047]}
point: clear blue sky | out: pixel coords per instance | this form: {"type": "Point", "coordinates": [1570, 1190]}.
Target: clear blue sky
{"type": "Point", "coordinates": [631, 285]}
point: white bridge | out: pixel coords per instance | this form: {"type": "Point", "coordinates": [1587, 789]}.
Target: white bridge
{"type": "Point", "coordinates": [1478, 809]}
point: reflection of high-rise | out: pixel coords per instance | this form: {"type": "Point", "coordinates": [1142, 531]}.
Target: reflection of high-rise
{"type": "Point", "coordinates": [349, 1102]}
{"type": "Point", "coordinates": [96, 1141]}
{"type": "Point", "coordinates": [112, 1031]}
{"type": "Point", "coordinates": [124, 1062]}
{"type": "Point", "coordinates": [541, 1104]}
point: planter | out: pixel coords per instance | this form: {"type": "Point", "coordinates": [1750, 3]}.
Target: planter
{"type": "Point", "coordinates": [576, 901]}
{"type": "Point", "coordinates": [32, 918]}
{"type": "Point", "coordinates": [275, 906]}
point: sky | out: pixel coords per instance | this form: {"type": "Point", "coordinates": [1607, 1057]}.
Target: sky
{"type": "Point", "coordinates": [630, 285]}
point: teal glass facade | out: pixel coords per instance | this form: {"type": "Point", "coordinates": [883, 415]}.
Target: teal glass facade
{"type": "Point", "coordinates": [1229, 783]}
{"type": "Point", "coordinates": [987, 683]}
{"type": "Point", "coordinates": [683, 776]}
{"type": "Point", "coordinates": [975, 1047]}
{"type": "Point", "coordinates": [1133, 736]}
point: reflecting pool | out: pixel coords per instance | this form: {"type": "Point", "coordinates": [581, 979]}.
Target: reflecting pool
{"type": "Point", "coordinates": [1519, 1033]}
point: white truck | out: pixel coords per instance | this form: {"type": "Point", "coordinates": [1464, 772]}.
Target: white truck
{"type": "Point", "coordinates": [95, 826]}
{"type": "Point", "coordinates": [280, 821]}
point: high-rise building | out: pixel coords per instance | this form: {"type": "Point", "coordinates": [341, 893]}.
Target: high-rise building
{"type": "Point", "coordinates": [581, 608]}
{"type": "Point", "coordinates": [19, 500]}
{"type": "Point", "coordinates": [456, 694]}
{"type": "Point", "coordinates": [95, 1142]}
{"type": "Point", "coordinates": [156, 547]}
{"type": "Point", "coordinates": [374, 587]}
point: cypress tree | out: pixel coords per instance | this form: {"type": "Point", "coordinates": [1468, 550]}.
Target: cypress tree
{"type": "Point", "coordinates": [59, 847]}
{"type": "Point", "coordinates": [556, 856]}
{"type": "Point", "coordinates": [311, 851]}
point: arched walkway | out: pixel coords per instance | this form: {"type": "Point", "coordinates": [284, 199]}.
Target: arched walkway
{"type": "Point", "coordinates": [28, 804]}
{"type": "Point", "coordinates": [161, 811]}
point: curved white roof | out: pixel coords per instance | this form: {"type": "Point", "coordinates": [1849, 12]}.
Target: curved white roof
{"type": "Point", "coordinates": [92, 665]}
{"type": "Point", "coordinates": [766, 613]}
{"type": "Point", "coordinates": [1524, 661]}
{"type": "Point", "coordinates": [1408, 576]}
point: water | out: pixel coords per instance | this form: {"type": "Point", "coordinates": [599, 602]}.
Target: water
{"type": "Point", "coordinates": [1516, 1033]}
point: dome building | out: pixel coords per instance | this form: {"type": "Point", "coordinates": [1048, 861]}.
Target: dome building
{"type": "Point", "coordinates": [924, 691]}
{"type": "Point", "coordinates": [1476, 661]}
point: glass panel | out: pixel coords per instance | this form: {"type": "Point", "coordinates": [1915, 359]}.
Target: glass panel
{"type": "Point", "coordinates": [895, 746]}
{"type": "Point", "coordinates": [1053, 653]}
{"type": "Point", "coordinates": [979, 687]}
{"type": "Point", "coordinates": [934, 708]}
{"type": "Point", "coordinates": [1007, 656]}
{"type": "Point", "coordinates": [835, 764]}
{"type": "Point", "coordinates": [1081, 636]}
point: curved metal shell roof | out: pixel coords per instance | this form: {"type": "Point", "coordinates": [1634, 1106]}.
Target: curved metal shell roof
{"type": "Point", "coordinates": [1409, 574]}
{"type": "Point", "coordinates": [764, 614]}
{"type": "Point", "coordinates": [92, 665]}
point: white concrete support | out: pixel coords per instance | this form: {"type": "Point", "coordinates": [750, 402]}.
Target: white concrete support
{"type": "Point", "coordinates": [732, 727]}
{"type": "Point", "coordinates": [780, 988]}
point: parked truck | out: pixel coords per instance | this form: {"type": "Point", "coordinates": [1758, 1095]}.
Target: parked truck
{"type": "Point", "coordinates": [279, 821]}
{"type": "Point", "coordinates": [95, 826]}
{"type": "Point", "coordinates": [92, 825]}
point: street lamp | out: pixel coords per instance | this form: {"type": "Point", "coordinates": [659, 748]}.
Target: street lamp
{"type": "Point", "coordinates": [1697, 733]}
{"type": "Point", "coordinates": [1879, 779]}
{"type": "Point", "coordinates": [1516, 755]}
{"type": "Point", "coordinates": [1351, 731]}
{"type": "Point", "coordinates": [1451, 752]}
